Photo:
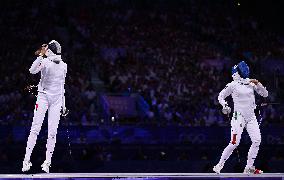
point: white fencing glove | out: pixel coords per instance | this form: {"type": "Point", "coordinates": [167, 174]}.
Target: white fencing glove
{"type": "Point", "coordinates": [226, 109]}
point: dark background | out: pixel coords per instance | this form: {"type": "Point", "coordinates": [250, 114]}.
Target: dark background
{"type": "Point", "coordinates": [171, 58]}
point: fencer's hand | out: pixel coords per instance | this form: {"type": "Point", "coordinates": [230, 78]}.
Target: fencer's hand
{"type": "Point", "coordinates": [254, 81]}
{"type": "Point", "coordinates": [37, 52]}
{"type": "Point", "coordinates": [41, 51]}
{"type": "Point", "coordinates": [226, 109]}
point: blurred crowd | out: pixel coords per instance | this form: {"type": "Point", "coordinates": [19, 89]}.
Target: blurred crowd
{"type": "Point", "coordinates": [161, 54]}
{"type": "Point", "coordinates": [157, 49]}
{"type": "Point", "coordinates": [177, 54]}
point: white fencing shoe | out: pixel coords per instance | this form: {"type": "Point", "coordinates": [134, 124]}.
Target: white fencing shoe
{"type": "Point", "coordinates": [218, 168]}
{"type": "Point", "coordinates": [26, 166]}
{"type": "Point", "coordinates": [252, 170]}
{"type": "Point", "coordinates": [45, 166]}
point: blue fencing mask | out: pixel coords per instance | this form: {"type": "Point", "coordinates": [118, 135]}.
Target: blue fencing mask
{"type": "Point", "coordinates": [242, 69]}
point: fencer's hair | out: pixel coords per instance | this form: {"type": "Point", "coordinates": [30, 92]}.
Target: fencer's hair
{"type": "Point", "coordinates": [55, 47]}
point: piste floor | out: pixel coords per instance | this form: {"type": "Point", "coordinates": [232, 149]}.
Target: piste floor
{"type": "Point", "coordinates": [142, 176]}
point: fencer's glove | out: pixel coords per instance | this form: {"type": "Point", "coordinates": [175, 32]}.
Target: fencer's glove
{"type": "Point", "coordinates": [226, 109]}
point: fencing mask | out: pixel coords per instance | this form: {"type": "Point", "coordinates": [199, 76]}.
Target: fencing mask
{"type": "Point", "coordinates": [242, 69]}
{"type": "Point", "coordinates": [54, 48]}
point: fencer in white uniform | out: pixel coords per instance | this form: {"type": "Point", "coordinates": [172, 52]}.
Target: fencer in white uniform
{"type": "Point", "coordinates": [242, 90]}
{"type": "Point", "coordinates": [50, 98]}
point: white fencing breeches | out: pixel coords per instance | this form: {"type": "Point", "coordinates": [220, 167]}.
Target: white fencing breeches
{"type": "Point", "coordinates": [238, 123]}
{"type": "Point", "coordinates": [53, 104]}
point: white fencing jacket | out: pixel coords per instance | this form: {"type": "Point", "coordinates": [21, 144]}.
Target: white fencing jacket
{"type": "Point", "coordinates": [52, 75]}
{"type": "Point", "coordinates": [242, 92]}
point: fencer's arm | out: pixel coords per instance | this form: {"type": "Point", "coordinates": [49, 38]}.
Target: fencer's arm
{"type": "Point", "coordinates": [37, 65]}
{"type": "Point", "coordinates": [228, 90]}
{"type": "Point", "coordinates": [261, 90]}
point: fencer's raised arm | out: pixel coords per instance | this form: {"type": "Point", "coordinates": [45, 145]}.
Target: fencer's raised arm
{"type": "Point", "coordinates": [260, 89]}
{"type": "Point", "coordinates": [228, 90]}
{"type": "Point", "coordinates": [37, 65]}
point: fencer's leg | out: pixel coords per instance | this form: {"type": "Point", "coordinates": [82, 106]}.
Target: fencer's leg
{"type": "Point", "coordinates": [53, 121]}
{"type": "Point", "coordinates": [237, 126]}
{"type": "Point", "coordinates": [230, 148]}
{"type": "Point", "coordinates": [39, 113]}
{"type": "Point", "coordinates": [255, 136]}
